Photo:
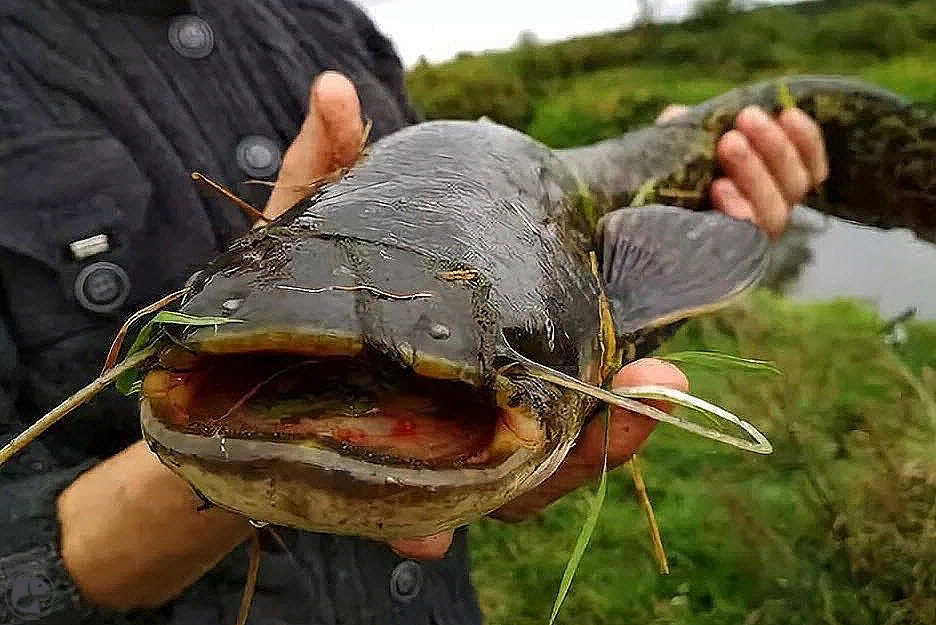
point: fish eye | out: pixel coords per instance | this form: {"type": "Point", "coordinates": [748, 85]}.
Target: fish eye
{"type": "Point", "coordinates": [439, 331]}
{"type": "Point", "coordinates": [231, 305]}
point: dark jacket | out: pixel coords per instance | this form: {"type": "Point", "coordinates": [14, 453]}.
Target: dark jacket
{"type": "Point", "coordinates": [106, 107]}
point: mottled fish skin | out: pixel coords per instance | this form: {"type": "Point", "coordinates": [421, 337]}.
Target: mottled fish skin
{"type": "Point", "coordinates": [881, 147]}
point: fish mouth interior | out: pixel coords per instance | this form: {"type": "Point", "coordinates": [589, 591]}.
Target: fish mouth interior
{"type": "Point", "coordinates": [365, 406]}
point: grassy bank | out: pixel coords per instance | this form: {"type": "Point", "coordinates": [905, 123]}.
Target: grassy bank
{"type": "Point", "coordinates": [837, 526]}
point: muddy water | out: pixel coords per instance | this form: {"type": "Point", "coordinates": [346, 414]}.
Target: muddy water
{"type": "Point", "coordinates": [891, 269]}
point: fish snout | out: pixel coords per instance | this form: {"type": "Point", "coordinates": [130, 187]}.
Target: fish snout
{"type": "Point", "coordinates": [333, 295]}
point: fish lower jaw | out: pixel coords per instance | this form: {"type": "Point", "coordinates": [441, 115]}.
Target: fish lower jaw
{"type": "Point", "coordinates": [320, 489]}
{"type": "Point", "coordinates": [328, 445]}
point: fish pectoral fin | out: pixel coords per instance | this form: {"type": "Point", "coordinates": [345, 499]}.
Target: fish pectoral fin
{"type": "Point", "coordinates": [661, 264]}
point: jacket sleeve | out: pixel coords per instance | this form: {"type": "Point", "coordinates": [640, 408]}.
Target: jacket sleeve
{"type": "Point", "coordinates": [33, 579]}
{"type": "Point", "coordinates": [59, 177]}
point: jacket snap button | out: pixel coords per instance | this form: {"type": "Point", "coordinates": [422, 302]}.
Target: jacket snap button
{"type": "Point", "coordinates": [102, 287]}
{"type": "Point", "coordinates": [406, 581]}
{"type": "Point", "coordinates": [191, 36]}
{"type": "Point", "coordinates": [258, 156]}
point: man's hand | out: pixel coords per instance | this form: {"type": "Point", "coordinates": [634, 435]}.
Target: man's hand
{"type": "Point", "coordinates": [330, 139]}
{"type": "Point", "coordinates": [584, 462]}
{"type": "Point", "coordinates": [770, 165]}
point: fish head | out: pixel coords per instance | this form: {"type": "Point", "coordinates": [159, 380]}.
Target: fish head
{"type": "Point", "coordinates": [356, 389]}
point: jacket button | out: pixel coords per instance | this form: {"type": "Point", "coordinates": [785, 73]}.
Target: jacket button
{"type": "Point", "coordinates": [258, 156]}
{"type": "Point", "coordinates": [102, 287]}
{"type": "Point", "coordinates": [406, 581]}
{"type": "Point", "coordinates": [191, 36]}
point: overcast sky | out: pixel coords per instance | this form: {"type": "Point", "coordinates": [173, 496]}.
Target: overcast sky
{"type": "Point", "coordinates": [439, 29]}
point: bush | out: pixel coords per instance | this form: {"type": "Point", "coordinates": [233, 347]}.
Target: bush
{"type": "Point", "coordinates": [879, 29]}
{"type": "Point", "coordinates": [469, 91]}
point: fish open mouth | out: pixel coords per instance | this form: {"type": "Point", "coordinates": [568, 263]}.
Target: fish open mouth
{"type": "Point", "coordinates": [363, 406]}
{"type": "Point", "coordinates": [322, 433]}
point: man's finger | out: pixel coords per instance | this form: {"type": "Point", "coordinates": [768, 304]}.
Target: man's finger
{"type": "Point", "coordinates": [727, 199]}
{"type": "Point", "coordinates": [753, 180]}
{"type": "Point", "coordinates": [629, 430]}
{"type": "Point", "coordinates": [777, 152]}
{"type": "Point", "coordinates": [330, 139]}
{"type": "Point", "coordinates": [806, 135]}
{"type": "Point", "coordinates": [424, 548]}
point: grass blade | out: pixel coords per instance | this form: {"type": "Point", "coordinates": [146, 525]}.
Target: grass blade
{"type": "Point", "coordinates": [127, 383]}
{"type": "Point", "coordinates": [588, 528]}
{"type": "Point", "coordinates": [716, 360]}
{"type": "Point", "coordinates": [643, 497]}
{"type": "Point", "coordinates": [170, 316]}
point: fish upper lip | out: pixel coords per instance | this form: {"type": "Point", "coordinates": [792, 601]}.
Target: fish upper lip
{"type": "Point", "coordinates": [323, 344]}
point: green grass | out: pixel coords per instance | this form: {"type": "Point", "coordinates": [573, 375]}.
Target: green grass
{"type": "Point", "coordinates": [837, 526]}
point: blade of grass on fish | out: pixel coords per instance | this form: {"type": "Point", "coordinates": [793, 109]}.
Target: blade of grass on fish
{"type": "Point", "coordinates": [126, 383]}
{"type": "Point", "coordinates": [79, 398]}
{"type": "Point", "coordinates": [718, 360]}
{"type": "Point", "coordinates": [656, 541]}
{"type": "Point", "coordinates": [146, 310]}
{"type": "Point", "coordinates": [588, 528]}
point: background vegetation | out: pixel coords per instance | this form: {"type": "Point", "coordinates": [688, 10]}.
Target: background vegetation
{"type": "Point", "coordinates": [838, 526]}
{"type": "Point", "coordinates": [589, 88]}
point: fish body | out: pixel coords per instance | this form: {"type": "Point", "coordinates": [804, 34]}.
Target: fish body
{"type": "Point", "coordinates": [423, 339]}
{"type": "Point", "coordinates": [424, 290]}
{"type": "Point", "coordinates": [447, 239]}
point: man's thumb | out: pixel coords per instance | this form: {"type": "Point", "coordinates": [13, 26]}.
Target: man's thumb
{"type": "Point", "coordinates": [330, 139]}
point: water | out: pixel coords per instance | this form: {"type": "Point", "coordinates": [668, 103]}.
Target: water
{"type": "Point", "coordinates": [891, 269]}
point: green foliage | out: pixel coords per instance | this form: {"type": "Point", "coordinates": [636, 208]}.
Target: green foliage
{"type": "Point", "coordinates": [837, 526]}
{"type": "Point", "coordinates": [597, 106]}
{"type": "Point", "coordinates": [469, 89]}
{"type": "Point", "coordinates": [879, 29]}
{"type": "Point", "coordinates": [708, 14]}
{"type": "Point", "coordinates": [561, 92]}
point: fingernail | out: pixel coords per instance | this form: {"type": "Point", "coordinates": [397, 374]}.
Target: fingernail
{"type": "Point", "coordinates": [823, 174]}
